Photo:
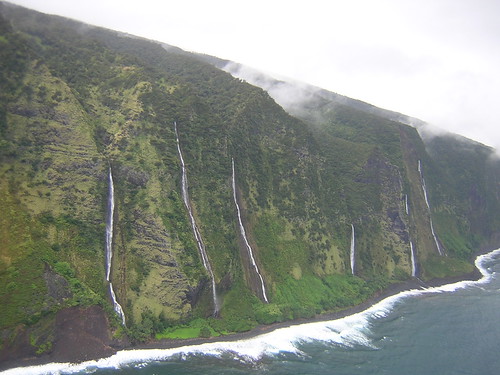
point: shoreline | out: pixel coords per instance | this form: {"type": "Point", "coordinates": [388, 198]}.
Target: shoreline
{"type": "Point", "coordinates": [391, 290]}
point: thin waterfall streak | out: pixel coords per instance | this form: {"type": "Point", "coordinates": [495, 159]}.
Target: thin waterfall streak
{"type": "Point", "coordinates": [117, 307]}
{"type": "Point", "coordinates": [422, 182]}
{"type": "Point", "coordinates": [243, 234]}
{"type": "Point", "coordinates": [109, 224]}
{"type": "Point", "coordinates": [413, 261]}
{"type": "Point", "coordinates": [353, 248]}
{"type": "Point", "coordinates": [424, 188]}
{"type": "Point", "coordinates": [196, 231]}
{"type": "Point", "coordinates": [109, 245]}
{"type": "Point", "coordinates": [435, 237]}
{"type": "Point", "coordinates": [406, 204]}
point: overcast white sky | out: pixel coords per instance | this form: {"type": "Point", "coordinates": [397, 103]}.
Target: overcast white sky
{"type": "Point", "coordinates": [437, 60]}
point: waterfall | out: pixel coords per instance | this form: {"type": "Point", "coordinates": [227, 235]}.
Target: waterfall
{"type": "Point", "coordinates": [406, 204]}
{"type": "Point", "coordinates": [243, 234]}
{"type": "Point", "coordinates": [109, 224]}
{"type": "Point", "coordinates": [424, 188]}
{"type": "Point", "coordinates": [196, 231]}
{"type": "Point", "coordinates": [435, 237]}
{"type": "Point", "coordinates": [109, 244]}
{"type": "Point", "coordinates": [353, 248]}
{"type": "Point", "coordinates": [116, 305]}
{"type": "Point", "coordinates": [413, 261]}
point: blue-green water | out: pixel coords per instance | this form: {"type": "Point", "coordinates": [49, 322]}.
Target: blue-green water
{"type": "Point", "coordinates": [447, 330]}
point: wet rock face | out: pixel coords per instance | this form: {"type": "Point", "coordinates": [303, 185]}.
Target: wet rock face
{"type": "Point", "coordinates": [194, 293]}
{"type": "Point", "coordinates": [397, 224]}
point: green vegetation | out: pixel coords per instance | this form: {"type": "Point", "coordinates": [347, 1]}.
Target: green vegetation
{"type": "Point", "coordinates": [311, 295]}
{"type": "Point", "coordinates": [439, 267]}
{"type": "Point", "coordinates": [76, 101]}
{"type": "Point", "coordinates": [294, 299]}
{"type": "Point", "coordinates": [468, 213]}
{"type": "Point", "coordinates": [24, 253]}
{"type": "Point", "coordinates": [195, 328]}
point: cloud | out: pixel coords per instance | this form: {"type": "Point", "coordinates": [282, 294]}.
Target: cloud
{"type": "Point", "coordinates": [286, 92]}
{"type": "Point", "coordinates": [467, 103]}
{"type": "Point", "coordinates": [435, 60]}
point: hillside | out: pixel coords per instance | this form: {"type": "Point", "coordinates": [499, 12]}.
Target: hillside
{"type": "Point", "coordinates": [201, 246]}
{"type": "Point", "coordinates": [460, 167]}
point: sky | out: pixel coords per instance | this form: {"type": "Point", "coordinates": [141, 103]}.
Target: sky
{"type": "Point", "coordinates": [437, 60]}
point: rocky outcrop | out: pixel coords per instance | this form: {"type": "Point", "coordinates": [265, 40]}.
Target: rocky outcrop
{"type": "Point", "coordinates": [75, 334]}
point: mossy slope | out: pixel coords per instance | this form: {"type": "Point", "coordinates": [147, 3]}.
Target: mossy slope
{"type": "Point", "coordinates": [81, 100]}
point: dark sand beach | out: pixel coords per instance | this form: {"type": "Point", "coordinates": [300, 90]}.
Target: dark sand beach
{"type": "Point", "coordinates": [82, 334]}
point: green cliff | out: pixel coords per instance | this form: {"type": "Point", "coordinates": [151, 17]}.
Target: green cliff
{"type": "Point", "coordinates": [78, 101]}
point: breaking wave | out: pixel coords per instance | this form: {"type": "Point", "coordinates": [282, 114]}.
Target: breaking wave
{"type": "Point", "coordinates": [350, 331]}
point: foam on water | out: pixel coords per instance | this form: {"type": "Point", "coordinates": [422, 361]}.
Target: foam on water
{"type": "Point", "coordinates": [350, 331]}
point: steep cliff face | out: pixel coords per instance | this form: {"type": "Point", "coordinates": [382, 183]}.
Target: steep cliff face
{"type": "Point", "coordinates": [456, 168]}
{"type": "Point", "coordinates": [81, 101]}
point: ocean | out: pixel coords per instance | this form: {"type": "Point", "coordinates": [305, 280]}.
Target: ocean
{"type": "Point", "coordinates": [452, 329]}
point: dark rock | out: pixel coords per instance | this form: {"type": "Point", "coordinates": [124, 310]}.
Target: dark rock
{"type": "Point", "coordinates": [193, 294]}
{"type": "Point", "coordinates": [82, 334]}
{"type": "Point", "coordinates": [57, 287]}
{"type": "Point", "coordinates": [134, 176]}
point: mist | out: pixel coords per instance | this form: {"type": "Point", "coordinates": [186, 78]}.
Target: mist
{"type": "Point", "coordinates": [435, 60]}
{"type": "Point", "coordinates": [285, 92]}
{"type": "Point", "coordinates": [296, 97]}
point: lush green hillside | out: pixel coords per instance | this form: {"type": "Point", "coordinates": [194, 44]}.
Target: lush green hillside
{"type": "Point", "coordinates": [461, 174]}
{"type": "Point", "coordinates": [78, 101]}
